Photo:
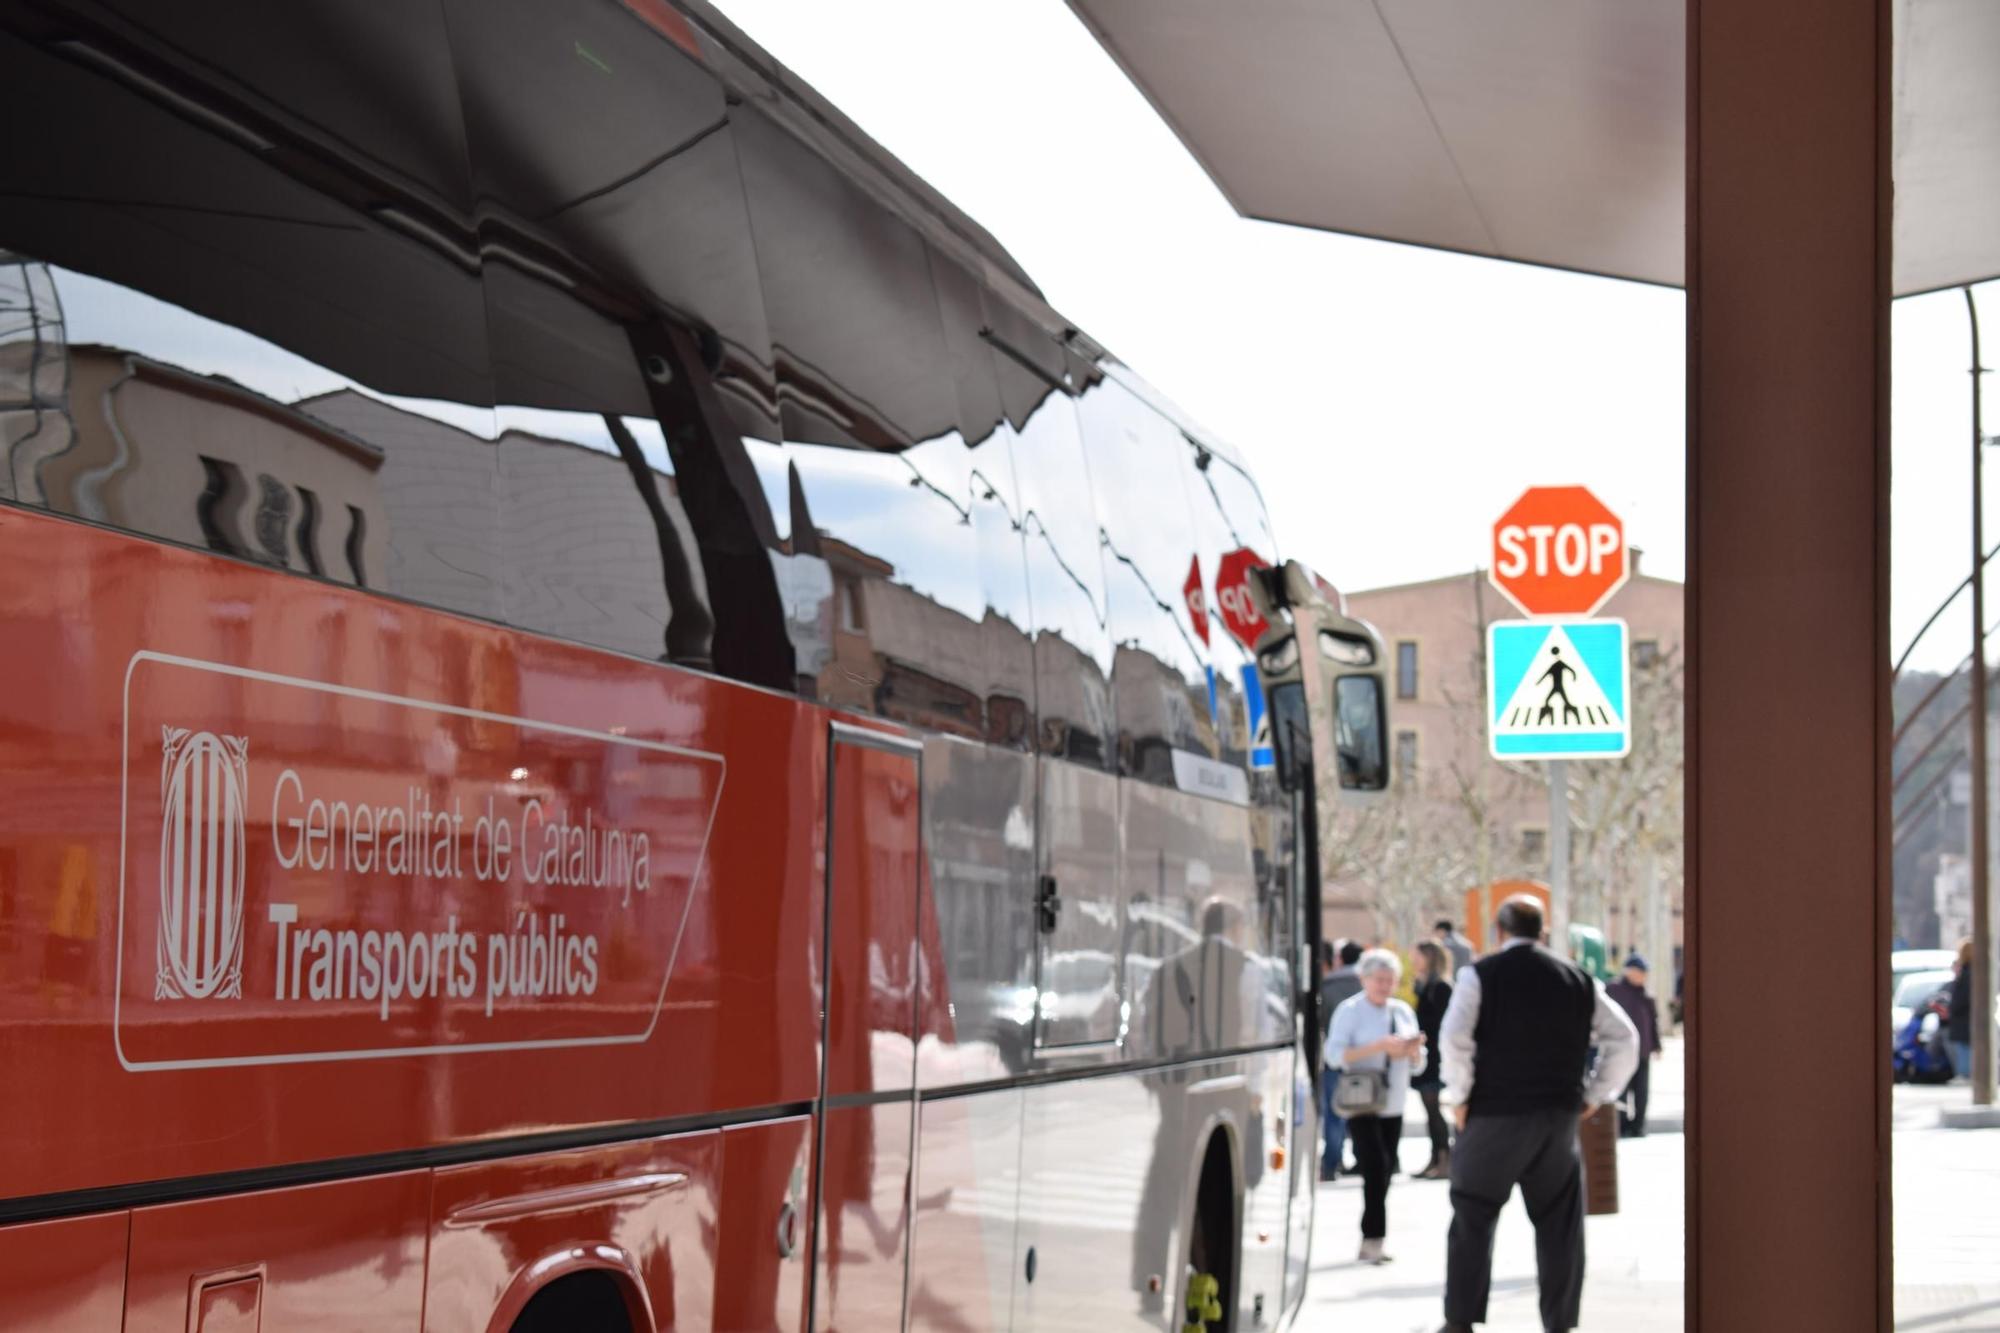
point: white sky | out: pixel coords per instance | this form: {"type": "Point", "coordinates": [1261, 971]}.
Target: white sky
{"type": "Point", "coordinates": [1392, 401]}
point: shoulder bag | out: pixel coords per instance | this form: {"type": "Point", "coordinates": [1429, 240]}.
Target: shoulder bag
{"type": "Point", "coordinates": [1363, 1091]}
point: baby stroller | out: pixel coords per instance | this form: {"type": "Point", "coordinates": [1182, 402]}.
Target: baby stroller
{"type": "Point", "coordinates": [1922, 1054]}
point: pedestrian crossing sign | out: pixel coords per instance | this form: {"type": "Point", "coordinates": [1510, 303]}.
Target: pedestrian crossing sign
{"type": "Point", "coordinates": [1558, 689]}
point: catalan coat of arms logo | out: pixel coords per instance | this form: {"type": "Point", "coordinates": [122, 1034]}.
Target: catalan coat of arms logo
{"type": "Point", "coordinates": [204, 780]}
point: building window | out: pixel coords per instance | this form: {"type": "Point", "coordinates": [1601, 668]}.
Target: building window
{"type": "Point", "coordinates": [849, 592]}
{"type": "Point", "coordinates": [1535, 846]}
{"type": "Point", "coordinates": [1645, 652]}
{"type": "Point", "coordinates": [1406, 669]}
{"type": "Point", "coordinates": [1406, 756]}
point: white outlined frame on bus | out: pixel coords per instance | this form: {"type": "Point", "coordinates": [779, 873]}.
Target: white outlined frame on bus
{"type": "Point", "coordinates": [400, 701]}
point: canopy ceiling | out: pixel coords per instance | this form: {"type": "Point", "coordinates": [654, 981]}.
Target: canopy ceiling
{"type": "Point", "coordinates": [1545, 131]}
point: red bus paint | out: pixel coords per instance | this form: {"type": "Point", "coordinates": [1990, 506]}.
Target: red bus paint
{"type": "Point", "coordinates": [374, 1073]}
{"type": "Point", "coordinates": [599, 745]}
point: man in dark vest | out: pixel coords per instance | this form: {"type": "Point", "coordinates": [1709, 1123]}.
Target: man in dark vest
{"type": "Point", "coordinates": [1516, 1046]}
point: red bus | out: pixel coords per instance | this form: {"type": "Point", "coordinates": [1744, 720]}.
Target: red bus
{"type": "Point", "coordinates": [606, 723]}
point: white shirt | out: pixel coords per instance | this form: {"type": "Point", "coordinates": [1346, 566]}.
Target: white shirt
{"type": "Point", "coordinates": [1617, 1042]}
{"type": "Point", "coordinates": [1359, 1021]}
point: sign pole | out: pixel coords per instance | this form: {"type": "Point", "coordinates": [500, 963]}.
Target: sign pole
{"type": "Point", "coordinates": [1559, 684]}
{"type": "Point", "coordinates": [1558, 770]}
{"type": "Point", "coordinates": [1659, 949]}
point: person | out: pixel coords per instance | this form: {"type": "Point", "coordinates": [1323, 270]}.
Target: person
{"type": "Point", "coordinates": [1524, 1019]}
{"type": "Point", "coordinates": [1629, 993]}
{"type": "Point", "coordinates": [1341, 984]}
{"type": "Point", "coordinates": [1433, 997]}
{"type": "Point", "coordinates": [1958, 1021]}
{"type": "Point", "coordinates": [1376, 1031]}
{"type": "Point", "coordinates": [1455, 944]}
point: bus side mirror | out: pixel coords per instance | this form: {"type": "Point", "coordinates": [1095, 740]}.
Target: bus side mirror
{"type": "Point", "coordinates": [1361, 732]}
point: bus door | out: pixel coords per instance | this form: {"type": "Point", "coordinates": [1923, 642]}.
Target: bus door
{"type": "Point", "coordinates": [868, 1051]}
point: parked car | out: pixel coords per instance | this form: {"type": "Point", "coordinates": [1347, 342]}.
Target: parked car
{"type": "Point", "coordinates": [1920, 1053]}
{"type": "Point", "coordinates": [1904, 962]}
{"type": "Point", "coordinates": [1912, 990]}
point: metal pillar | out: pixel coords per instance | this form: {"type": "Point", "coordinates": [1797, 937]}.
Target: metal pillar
{"type": "Point", "coordinates": [1982, 916]}
{"type": "Point", "coordinates": [1558, 774]}
{"type": "Point", "coordinates": [1788, 689]}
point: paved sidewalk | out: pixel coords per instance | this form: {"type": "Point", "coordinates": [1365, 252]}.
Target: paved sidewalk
{"type": "Point", "coordinates": [1947, 1218]}
{"type": "Point", "coordinates": [1635, 1256]}
{"type": "Point", "coordinates": [1947, 1186]}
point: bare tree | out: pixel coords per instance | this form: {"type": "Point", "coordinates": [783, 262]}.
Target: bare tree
{"type": "Point", "coordinates": [1415, 851]}
{"type": "Point", "coordinates": [1627, 814]}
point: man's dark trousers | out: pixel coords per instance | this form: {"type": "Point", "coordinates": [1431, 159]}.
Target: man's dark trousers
{"type": "Point", "coordinates": [1536, 1150]}
{"type": "Point", "coordinates": [1633, 1125]}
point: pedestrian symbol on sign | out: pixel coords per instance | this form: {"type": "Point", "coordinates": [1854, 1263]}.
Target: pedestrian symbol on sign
{"type": "Point", "coordinates": [1559, 689]}
{"type": "Point", "coordinates": [1554, 675]}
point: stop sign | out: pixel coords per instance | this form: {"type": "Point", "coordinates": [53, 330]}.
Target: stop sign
{"type": "Point", "coordinates": [1232, 596]}
{"type": "Point", "coordinates": [1558, 551]}
{"type": "Point", "coordinates": [1197, 600]}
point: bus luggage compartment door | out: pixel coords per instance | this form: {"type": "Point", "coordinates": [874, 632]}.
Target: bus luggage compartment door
{"type": "Point", "coordinates": [350, 1251]}
{"type": "Point", "coordinates": [868, 1056]}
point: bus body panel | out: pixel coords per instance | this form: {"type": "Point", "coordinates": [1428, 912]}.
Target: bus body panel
{"type": "Point", "coordinates": [1107, 1189]}
{"type": "Point", "coordinates": [867, 1121]}
{"type": "Point", "coordinates": [265, 1078]}
{"type": "Point", "coordinates": [977, 1008]}
{"type": "Point", "coordinates": [644, 1212]}
{"type": "Point", "coordinates": [343, 1254]}
{"type": "Point", "coordinates": [765, 1229]}
{"type": "Point", "coordinates": [864, 1217]}
{"type": "Point", "coordinates": [962, 1266]}
{"type": "Point", "coordinates": [65, 1275]}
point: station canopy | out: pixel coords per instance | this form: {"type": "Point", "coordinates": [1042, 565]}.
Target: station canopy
{"type": "Point", "coordinates": [1546, 131]}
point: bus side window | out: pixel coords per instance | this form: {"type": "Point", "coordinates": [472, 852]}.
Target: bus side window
{"type": "Point", "coordinates": [250, 362]}
{"type": "Point", "coordinates": [877, 470]}
{"type": "Point", "coordinates": [1230, 516]}
{"type": "Point", "coordinates": [1061, 545]}
{"type": "Point", "coordinates": [629, 345]}
{"type": "Point", "coordinates": [1159, 677]}
{"type": "Point", "coordinates": [992, 501]}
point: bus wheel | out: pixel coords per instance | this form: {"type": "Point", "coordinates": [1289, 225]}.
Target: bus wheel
{"type": "Point", "coordinates": [1210, 1302]}
{"type": "Point", "coordinates": [579, 1303]}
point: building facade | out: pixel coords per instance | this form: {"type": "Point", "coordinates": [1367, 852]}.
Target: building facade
{"type": "Point", "coordinates": [1456, 818]}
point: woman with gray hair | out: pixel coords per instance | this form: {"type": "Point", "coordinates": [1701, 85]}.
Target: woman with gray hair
{"type": "Point", "coordinates": [1375, 1042]}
